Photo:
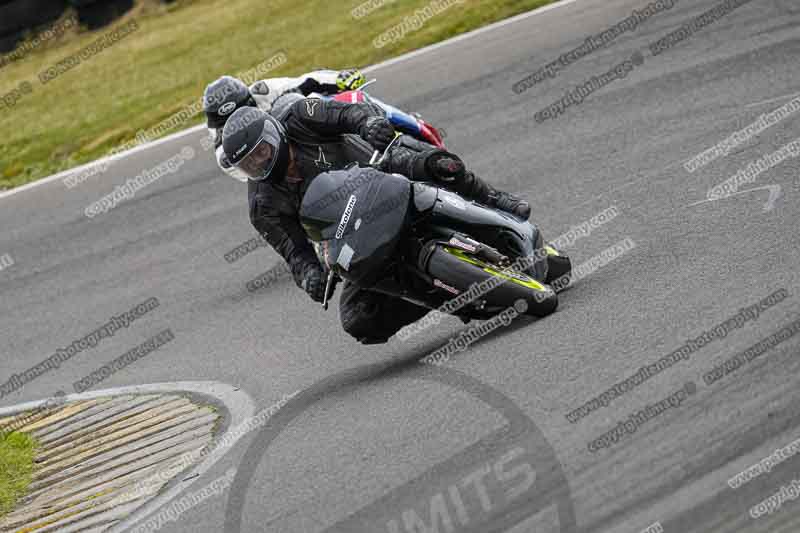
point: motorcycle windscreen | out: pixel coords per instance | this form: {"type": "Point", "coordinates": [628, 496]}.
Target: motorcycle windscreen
{"type": "Point", "coordinates": [357, 217]}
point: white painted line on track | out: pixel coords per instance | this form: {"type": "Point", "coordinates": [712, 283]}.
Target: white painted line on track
{"type": "Point", "coordinates": [121, 155]}
{"type": "Point", "coordinates": [771, 100]}
{"type": "Point", "coordinates": [469, 35]}
{"type": "Point", "coordinates": [371, 68]}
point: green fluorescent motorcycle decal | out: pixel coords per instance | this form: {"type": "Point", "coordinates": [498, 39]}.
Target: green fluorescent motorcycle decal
{"type": "Point", "coordinates": [516, 277]}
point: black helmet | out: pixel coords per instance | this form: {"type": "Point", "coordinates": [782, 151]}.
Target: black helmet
{"type": "Point", "coordinates": [224, 96]}
{"type": "Point", "coordinates": [255, 142]}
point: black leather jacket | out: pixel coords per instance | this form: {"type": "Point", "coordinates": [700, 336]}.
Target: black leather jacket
{"type": "Point", "coordinates": [323, 135]}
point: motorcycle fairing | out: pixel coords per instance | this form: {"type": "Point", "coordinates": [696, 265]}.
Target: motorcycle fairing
{"type": "Point", "coordinates": [357, 218]}
{"type": "Point", "coordinates": [496, 228]}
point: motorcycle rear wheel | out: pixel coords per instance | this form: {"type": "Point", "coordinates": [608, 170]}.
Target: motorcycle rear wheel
{"type": "Point", "coordinates": [463, 271]}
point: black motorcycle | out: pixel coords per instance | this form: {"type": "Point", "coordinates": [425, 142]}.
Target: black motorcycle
{"type": "Point", "coordinates": [427, 245]}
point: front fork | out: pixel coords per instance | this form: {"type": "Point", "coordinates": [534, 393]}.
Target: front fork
{"type": "Point", "coordinates": [328, 283]}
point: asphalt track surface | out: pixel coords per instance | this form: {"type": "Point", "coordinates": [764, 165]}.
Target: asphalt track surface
{"type": "Point", "coordinates": [377, 441]}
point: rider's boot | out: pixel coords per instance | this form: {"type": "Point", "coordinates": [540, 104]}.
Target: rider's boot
{"type": "Point", "coordinates": [451, 172]}
{"type": "Point", "coordinates": [507, 202]}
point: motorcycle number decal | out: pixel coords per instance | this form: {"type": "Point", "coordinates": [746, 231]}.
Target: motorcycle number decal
{"type": "Point", "coordinates": [345, 216]}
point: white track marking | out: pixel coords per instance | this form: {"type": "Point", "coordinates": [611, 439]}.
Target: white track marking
{"type": "Point", "coordinates": [771, 100]}
{"type": "Point", "coordinates": [371, 68]}
{"type": "Point", "coordinates": [775, 192]}
{"type": "Point", "coordinates": [469, 35]}
{"type": "Point", "coordinates": [121, 155]}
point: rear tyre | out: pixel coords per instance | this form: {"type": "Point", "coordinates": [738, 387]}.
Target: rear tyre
{"type": "Point", "coordinates": [460, 270]}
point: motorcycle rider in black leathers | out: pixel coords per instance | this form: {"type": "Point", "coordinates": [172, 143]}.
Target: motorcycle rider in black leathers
{"type": "Point", "coordinates": [226, 94]}
{"type": "Point", "coordinates": [281, 158]}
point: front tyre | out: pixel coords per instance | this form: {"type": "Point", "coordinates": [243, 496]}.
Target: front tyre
{"type": "Point", "coordinates": [559, 269]}
{"type": "Point", "coordinates": [476, 280]}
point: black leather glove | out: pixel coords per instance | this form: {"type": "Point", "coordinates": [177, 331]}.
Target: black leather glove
{"type": "Point", "coordinates": [314, 281]}
{"type": "Point", "coordinates": [378, 132]}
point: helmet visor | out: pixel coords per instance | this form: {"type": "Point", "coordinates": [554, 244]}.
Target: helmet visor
{"type": "Point", "coordinates": [259, 162]}
{"type": "Point", "coordinates": [261, 159]}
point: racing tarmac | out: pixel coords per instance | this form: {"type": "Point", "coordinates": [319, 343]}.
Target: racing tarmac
{"type": "Point", "coordinates": [376, 441]}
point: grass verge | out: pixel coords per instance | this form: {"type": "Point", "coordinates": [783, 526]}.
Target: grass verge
{"type": "Point", "coordinates": [16, 468]}
{"type": "Point", "coordinates": [163, 66]}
